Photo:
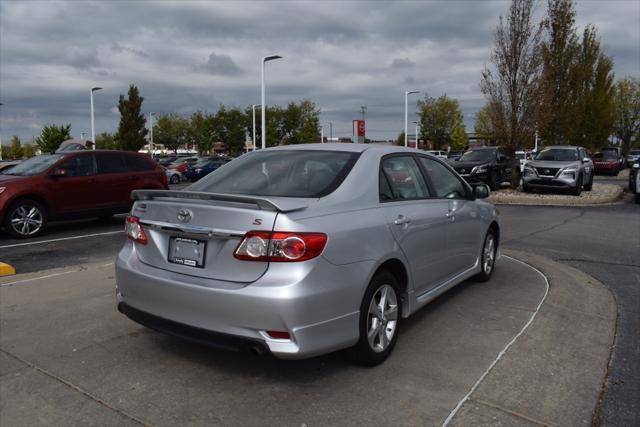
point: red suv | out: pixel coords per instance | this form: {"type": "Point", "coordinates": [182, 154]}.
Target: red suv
{"type": "Point", "coordinates": [78, 184]}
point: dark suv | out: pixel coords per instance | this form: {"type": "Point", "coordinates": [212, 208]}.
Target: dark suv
{"type": "Point", "coordinates": [489, 165]}
{"type": "Point", "coordinates": [78, 184]}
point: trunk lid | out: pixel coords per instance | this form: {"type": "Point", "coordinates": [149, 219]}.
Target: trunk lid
{"type": "Point", "coordinates": [217, 222]}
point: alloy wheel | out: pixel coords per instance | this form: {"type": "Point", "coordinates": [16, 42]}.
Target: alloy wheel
{"type": "Point", "coordinates": [382, 319]}
{"type": "Point", "coordinates": [27, 220]}
{"type": "Point", "coordinates": [489, 254]}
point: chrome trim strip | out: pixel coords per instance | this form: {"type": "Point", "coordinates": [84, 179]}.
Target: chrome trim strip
{"type": "Point", "coordinates": [193, 230]}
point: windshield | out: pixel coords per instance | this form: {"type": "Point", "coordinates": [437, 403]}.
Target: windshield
{"type": "Point", "coordinates": [558, 155]}
{"type": "Point", "coordinates": [293, 173]}
{"type": "Point", "coordinates": [34, 165]}
{"type": "Point", "coordinates": [478, 156]}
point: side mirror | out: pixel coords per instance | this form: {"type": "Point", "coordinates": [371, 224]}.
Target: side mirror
{"type": "Point", "coordinates": [59, 173]}
{"type": "Point", "coordinates": [586, 160]}
{"type": "Point", "coordinates": [481, 191]}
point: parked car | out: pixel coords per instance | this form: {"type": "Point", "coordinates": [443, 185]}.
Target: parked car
{"type": "Point", "coordinates": [166, 161]}
{"type": "Point", "coordinates": [634, 180]}
{"type": "Point", "coordinates": [74, 184]}
{"type": "Point", "coordinates": [633, 157]}
{"type": "Point", "coordinates": [523, 157]}
{"type": "Point", "coordinates": [173, 176]}
{"type": "Point", "coordinates": [181, 164]}
{"type": "Point", "coordinates": [203, 167]}
{"type": "Point", "coordinates": [618, 154]}
{"type": "Point", "coordinates": [563, 167]}
{"type": "Point", "coordinates": [488, 165]}
{"type": "Point", "coordinates": [303, 250]}
{"type": "Point", "coordinates": [439, 154]}
{"type": "Point", "coordinates": [607, 163]}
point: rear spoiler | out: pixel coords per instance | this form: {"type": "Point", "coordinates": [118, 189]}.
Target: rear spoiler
{"type": "Point", "coordinates": [260, 202]}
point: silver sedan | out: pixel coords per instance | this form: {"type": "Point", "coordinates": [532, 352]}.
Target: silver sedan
{"type": "Point", "coordinates": [304, 250]}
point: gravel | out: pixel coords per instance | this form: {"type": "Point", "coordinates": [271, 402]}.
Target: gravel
{"type": "Point", "coordinates": [601, 193]}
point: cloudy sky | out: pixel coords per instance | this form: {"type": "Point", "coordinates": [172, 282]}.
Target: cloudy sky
{"type": "Point", "coordinates": [188, 56]}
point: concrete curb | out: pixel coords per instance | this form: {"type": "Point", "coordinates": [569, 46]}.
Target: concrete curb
{"type": "Point", "coordinates": [524, 199]}
{"type": "Point", "coordinates": [6, 269]}
{"type": "Point", "coordinates": [554, 374]}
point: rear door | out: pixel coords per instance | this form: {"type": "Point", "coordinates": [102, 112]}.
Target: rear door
{"type": "Point", "coordinates": [418, 223]}
{"type": "Point", "coordinates": [114, 180]}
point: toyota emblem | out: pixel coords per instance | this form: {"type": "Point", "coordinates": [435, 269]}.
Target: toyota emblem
{"type": "Point", "coordinates": [184, 215]}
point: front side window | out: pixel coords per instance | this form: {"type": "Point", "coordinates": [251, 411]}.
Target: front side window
{"type": "Point", "coordinates": [284, 173]}
{"type": "Point", "coordinates": [79, 166]}
{"type": "Point", "coordinates": [445, 183]}
{"type": "Point", "coordinates": [404, 178]}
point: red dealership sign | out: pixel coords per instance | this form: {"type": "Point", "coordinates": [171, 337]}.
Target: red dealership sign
{"type": "Point", "coordinates": [359, 125]}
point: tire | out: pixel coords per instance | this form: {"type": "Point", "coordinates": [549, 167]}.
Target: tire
{"type": "Point", "coordinates": [371, 352]}
{"type": "Point", "coordinates": [25, 218]}
{"type": "Point", "coordinates": [589, 186]}
{"type": "Point", "coordinates": [487, 257]}
{"type": "Point", "coordinates": [175, 179]}
{"type": "Point", "coordinates": [638, 198]}
{"type": "Point", "coordinates": [578, 189]}
{"type": "Point", "coordinates": [526, 188]}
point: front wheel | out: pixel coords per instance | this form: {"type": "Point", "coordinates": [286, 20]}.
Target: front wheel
{"type": "Point", "coordinates": [589, 186]}
{"type": "Point", "coordinates": [494, 182]}
{"type": "Point", "coordinates": [488, 257]}
{"type": "Point", "coordinates": [175, 179]}
{"type": "Point", "coordinates": [578, 188]}
{"type": "Point", "coordinates": [25, 218]}
{"type": "Point", "coordinates": [379, 321]}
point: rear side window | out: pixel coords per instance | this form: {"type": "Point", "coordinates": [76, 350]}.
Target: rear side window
{"type": "Point", "coordinates": [79, 166]}
{"type": "Point", "coordinates": [137, 163]}
{"type": "Point", "coordinates": [111, 163]}
{"type": "Point", "coordinates": [285, 173]}
{"type": "Point", "coordinates": [404, 178]}
{"type": "Point", "coordinates": [445, 183]}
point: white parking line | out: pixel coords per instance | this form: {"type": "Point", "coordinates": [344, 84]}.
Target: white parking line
{"type": "Point", "coordinates": [504, 350]}
{"type": "Point", "coordinates": [61, 239]}
{"type": "Point", "coordinates": [48, 276]}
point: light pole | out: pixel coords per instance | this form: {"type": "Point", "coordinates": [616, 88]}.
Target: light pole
{"type": "Point", "coordinates": [253, 110]}
{"type": "Point", "coordinates": [262, 113]}
{"type": "Point", "coordinates": [1, 142]}
{"type": "Point", "coordinates": [93, 128]}
{"type": "Point", "coordinates": [406, 95]}
{"type": "Point", "coordinates": [151, 133]}
{"type": "Point", "coordinates": [321, 135]}
{"type": "Point", "coordinates": [417, 125]}
{"type": "Point", "coordinates": [330, 131]}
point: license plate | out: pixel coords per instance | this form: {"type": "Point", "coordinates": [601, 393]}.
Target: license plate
{"type": "Point", "coordinates": [187, 252]}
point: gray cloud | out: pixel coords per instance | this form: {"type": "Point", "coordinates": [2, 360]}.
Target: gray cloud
{"type": "Point", "coordinates": [192, 55]}
{"type": "Point", "coordinates": [221, 64]}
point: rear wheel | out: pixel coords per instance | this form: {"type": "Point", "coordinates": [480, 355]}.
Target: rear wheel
{"type": "Point", "coordinates": [488, 256]}
{"type": "Point", "coordinates": [379, 321]}
{"type": "Point", "coordinates": [175, 179]}
{"type": "Point", "coordinates": [25, 218]}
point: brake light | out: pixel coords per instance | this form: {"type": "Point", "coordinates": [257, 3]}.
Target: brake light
{"type": "Point", "coordinates": [164, 179]}
{"type": "Point", "coordinates": [280, 246]}
{"type": "Point", "coordinates": [134, 231]}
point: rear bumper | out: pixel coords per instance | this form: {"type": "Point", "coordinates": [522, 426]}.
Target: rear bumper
{"type": "Point", "coordinates": [317, 303]}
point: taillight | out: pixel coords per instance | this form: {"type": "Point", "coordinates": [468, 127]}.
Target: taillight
{"type": "Point", "coordinates": [134, 231]}
{"type": "Point", "coordinates": [164, 179]}
{"type": "Point", "coordinates": [280, 246]}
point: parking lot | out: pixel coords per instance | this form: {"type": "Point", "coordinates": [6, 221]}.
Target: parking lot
{"type": "Point", "coordinates": [509, 351]}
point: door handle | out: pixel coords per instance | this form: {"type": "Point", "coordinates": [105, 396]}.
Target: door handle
{"type": "Point", "coordinates": [401, 220]}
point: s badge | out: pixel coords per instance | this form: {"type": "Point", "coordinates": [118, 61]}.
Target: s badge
{"type": "Point", "coordinates": [257, 221]}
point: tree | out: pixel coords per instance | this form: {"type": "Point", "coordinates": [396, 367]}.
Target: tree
{"type": "Point", "coordinates": [400, 139]}
{"type": "Point", "coordinates": [131, 130]}
{"type": "Point", "coordinates": [483, 126]}
{"type": "Point", "coordinates": [512, 85]}
{"type": "Point", "coordinates": [171, 131]}
{"type": "Point", "coordinates": [627, 112]}
{"type": "Point", "coordinates": [459, 140]}
{"type": "Point", "coordinates": [229, 127]}
{"type": "Point", "coordinates": [15, 149]}
{"type": "Point", "coordinates": [301, 123]}
{"type": "Point", "coordinates": [438, 120]}
{"type": "Point", "coordinates": [560, 53]}
{"type": "Point", "coordinates": [28, 151]}
{"type": "Point", "coordinates": [106, 141]}
{"type": "Point", "coordinates": [52, 136]}
{"type": "Point", "coordinates": [201, 131]}
{"type": "Point", "coordinates": [6, 151]}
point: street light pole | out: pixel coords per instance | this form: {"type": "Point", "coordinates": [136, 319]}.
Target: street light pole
{"type": "Point", "coordinates": [93, 128]}
{"type": "Point", "coordinates": [151, 147]}
{"type": "Point", "coordinates": [321, 135]}
{"type": "Point", "coordinates": [417, 124]}
{"type": "Point", "coordinates": [406, 108]}
{"type": "Point", "coordinates": [253, 110]}
{"type": "Point", "coordinates": [330, 131]}
{"type": "Point", "coordinates": [264, 125]}
{"type": "Point", "coordinates": [1, 142]}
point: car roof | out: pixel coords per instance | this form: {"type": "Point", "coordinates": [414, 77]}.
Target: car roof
{"type": "Point", "coordinates": [347, 147]}
{"type": "Point", "coordinates": [563, 147]}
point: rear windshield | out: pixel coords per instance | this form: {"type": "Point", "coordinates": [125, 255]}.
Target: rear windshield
{"type": "Point", "coordinates": [558, 154]}
{"type": "Point", "coordinates": [606, 155]}
{"type": "Point", "coordinates": [282, 173]}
